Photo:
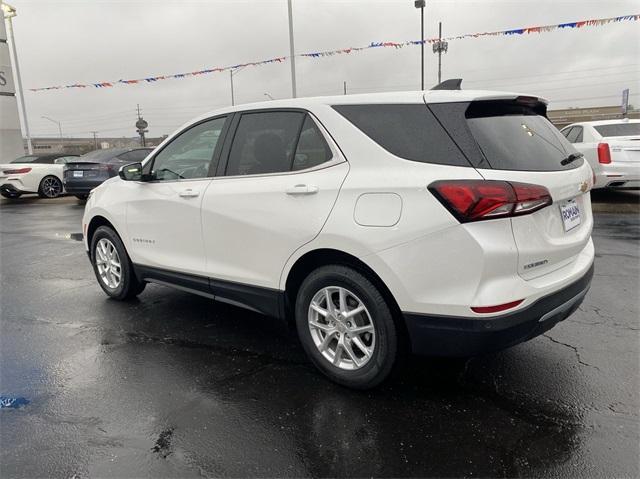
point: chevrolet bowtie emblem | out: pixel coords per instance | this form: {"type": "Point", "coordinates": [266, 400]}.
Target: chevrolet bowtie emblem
{"type": "Point", "coordinates": [584, 186]}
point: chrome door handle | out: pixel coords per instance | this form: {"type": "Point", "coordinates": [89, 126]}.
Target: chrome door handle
{"type": "Point", "coordinates": [189, 193]}
{"type": "Point", "coordinates": [302, 190]}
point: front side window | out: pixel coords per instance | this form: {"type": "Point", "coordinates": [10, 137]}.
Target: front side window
{"type": "Point", "coordinates": [190, 154]}
{"type": "Point", "coordinates": [264, 143]}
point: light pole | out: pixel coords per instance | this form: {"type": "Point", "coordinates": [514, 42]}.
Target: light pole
{"type": "Point", "coordinates": [440, 47]}
{"type": "Point", "coordinates": [292, 53]}
{"type": "Point", "coordinates": [421, 4]}
{"type": "Point", "coordinates": [9, 12]}
{"type": "Point", "coordinates": [232, 72]}
{"type": "Point", "coordinates": [59, 130]}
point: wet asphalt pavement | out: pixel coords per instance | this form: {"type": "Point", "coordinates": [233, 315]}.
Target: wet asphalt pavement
{"type": "Point", "coordinates": [177, 385]}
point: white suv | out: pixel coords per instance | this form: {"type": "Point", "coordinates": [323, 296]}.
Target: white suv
{"type": "Point", "coordinates": [440, 222]}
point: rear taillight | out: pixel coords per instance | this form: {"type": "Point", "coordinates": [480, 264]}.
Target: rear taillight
{"type": "Point", "coordinates": [17, 171]}
{"type": "Point", "coordinates": [604, 155]}
{"type": "Point", "coordinates": [476, 200]}
{"type": "Point", "coordinates": [111, 169]}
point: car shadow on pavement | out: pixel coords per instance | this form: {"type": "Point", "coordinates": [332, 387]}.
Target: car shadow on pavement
{"type": "Point", "coordinates": [245, 379]}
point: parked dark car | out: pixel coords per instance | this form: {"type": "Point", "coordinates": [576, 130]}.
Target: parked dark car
{"type": "Point", "coordinates": [91, 169]}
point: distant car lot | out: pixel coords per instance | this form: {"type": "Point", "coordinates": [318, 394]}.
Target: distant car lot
{"type": "Point", "coordinates": [178, 385]}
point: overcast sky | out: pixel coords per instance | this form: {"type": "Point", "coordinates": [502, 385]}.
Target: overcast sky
{"type": "Point", "coordinates": [62, 42]}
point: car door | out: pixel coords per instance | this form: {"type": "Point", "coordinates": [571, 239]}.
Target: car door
{"type": "Point", "coordinates": [280, 179]}
{"type": "Point", "coordinates": [163, 216]}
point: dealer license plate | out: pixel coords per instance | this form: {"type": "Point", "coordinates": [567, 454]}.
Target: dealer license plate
{"type": "Point", "coordinates": [570, 213]}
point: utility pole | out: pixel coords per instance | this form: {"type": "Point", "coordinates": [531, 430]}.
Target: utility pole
{"type": "Point", "coordinates": [421, 4]}
{"type": "Point", "coordinates": [141, 127]}
{"type": "Point", "coordinates": [440, 47]}
{"type": "Point", "coordinates": [292, 52]}
{"type": "Point", "coordinates": [95, 140]}
{"type": "Point", "coordinates": [344, 84]}
{"type": "Point", "coordinates": [231, 77]}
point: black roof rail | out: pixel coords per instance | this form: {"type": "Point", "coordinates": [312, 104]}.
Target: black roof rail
{"type": "Point", "coordinates": [451, 84]}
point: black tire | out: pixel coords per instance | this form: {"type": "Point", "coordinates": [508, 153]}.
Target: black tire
{"type": "Point", "coordinates": [50, 187]}
{"type": "Point", "coordinates": [385, 349]}
{"type": "Point", "coordinates": [129, 286]}
{"type": "Point", "coordinates": [11, 196]}
{"type": "Point", "coordinates": [82, 197]}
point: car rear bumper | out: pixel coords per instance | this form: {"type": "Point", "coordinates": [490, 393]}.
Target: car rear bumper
{"type": "Point", "coordinates": [619, 175]}
{"type": "Point", "coordinates": [14, 185]}
{"type": "Point", "coordinates": [82, 187]}
{"type": "Point", "coordinates": [463, 336]}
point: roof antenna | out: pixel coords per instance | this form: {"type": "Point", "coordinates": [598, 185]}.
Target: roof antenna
{"type": "Point", "coordinates": [451, 84]}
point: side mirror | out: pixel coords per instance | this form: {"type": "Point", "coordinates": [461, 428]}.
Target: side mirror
{"type": "Point", "coordinates": [60, 161]}
{"type": "Point", "coordinates": [131, 172]}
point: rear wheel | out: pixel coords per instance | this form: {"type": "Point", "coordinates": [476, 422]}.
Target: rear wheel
{"type": "Point", "coordinates": [50, 187]}
{"type": "Point", "coordinates": [346, 327]}
{"type": "Point", "coordinates": [112, 265]}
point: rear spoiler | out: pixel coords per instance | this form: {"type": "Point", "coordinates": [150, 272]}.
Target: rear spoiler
{"type": "Point", "coordinates": [451, 84]}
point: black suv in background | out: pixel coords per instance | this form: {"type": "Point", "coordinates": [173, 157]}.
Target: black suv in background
{"type": "Point", "coordinates": [91, 169]}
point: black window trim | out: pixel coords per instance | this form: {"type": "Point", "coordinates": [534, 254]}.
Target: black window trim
{"type": "Point", "coordinates": [148, 166]}
{"type": "Point", "coordinates": [336, 155]}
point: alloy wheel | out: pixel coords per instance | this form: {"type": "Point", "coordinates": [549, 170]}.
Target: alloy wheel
{"type": "Point", "coordinates": [51, 187]}
{"type": "Point", "coordinates": [108, 263]}
{"type": "Point", "coordinates": [341, 328]}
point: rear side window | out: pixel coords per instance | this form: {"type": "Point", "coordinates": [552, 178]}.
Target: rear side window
{"type": "Point", "coordinates": [619, 129]}
{"type": "Point", "coordinates": [515, 137]}
{"type": "Point", "coordinates": [312, 149]}
{"type": "Point", "coordinates": [575, 135]}
{"type": "Point", "coordinates": [264, 143]}
{"type": "Point", "coordinates": [409, 131]}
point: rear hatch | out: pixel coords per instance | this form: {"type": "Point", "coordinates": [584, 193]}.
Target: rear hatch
{"type": "Point", "coordinates": [513, 141]}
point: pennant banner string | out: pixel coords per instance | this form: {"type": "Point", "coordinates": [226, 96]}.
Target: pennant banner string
{"type": "Point", "coordinates": [518, 31]}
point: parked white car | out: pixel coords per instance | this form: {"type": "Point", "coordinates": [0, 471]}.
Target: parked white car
{"type": "Point", "coordinates": [443, 222]}
{"type": "Point", "coordinates": [612, 148]}
{"type": "Point", "coordinates": [40, 174]}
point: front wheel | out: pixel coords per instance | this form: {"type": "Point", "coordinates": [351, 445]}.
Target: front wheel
{"type": "Point", "coordinates": [346, 327]}
{"type": "Point", "coordinates": [112, 265]}
{"type": "Point", "coordinates": [50, 187]}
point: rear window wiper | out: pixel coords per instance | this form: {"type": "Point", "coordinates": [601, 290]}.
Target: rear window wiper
{"type": "Point", "coordinates": [571, 158]}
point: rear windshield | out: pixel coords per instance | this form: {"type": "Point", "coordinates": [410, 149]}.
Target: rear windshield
{"type": "Point", "coordinates": [619, 129]}
{"type": "Point", "coordinates": [26, 159]}
{"type": "Point", "coordinates": [409, 131]}
{"type": "Point", "coordinates": [516, 137]}
{"type": "Point", "coordinates": [498, 134]}
{"type": "Point", "coordinates": [101, 155]}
